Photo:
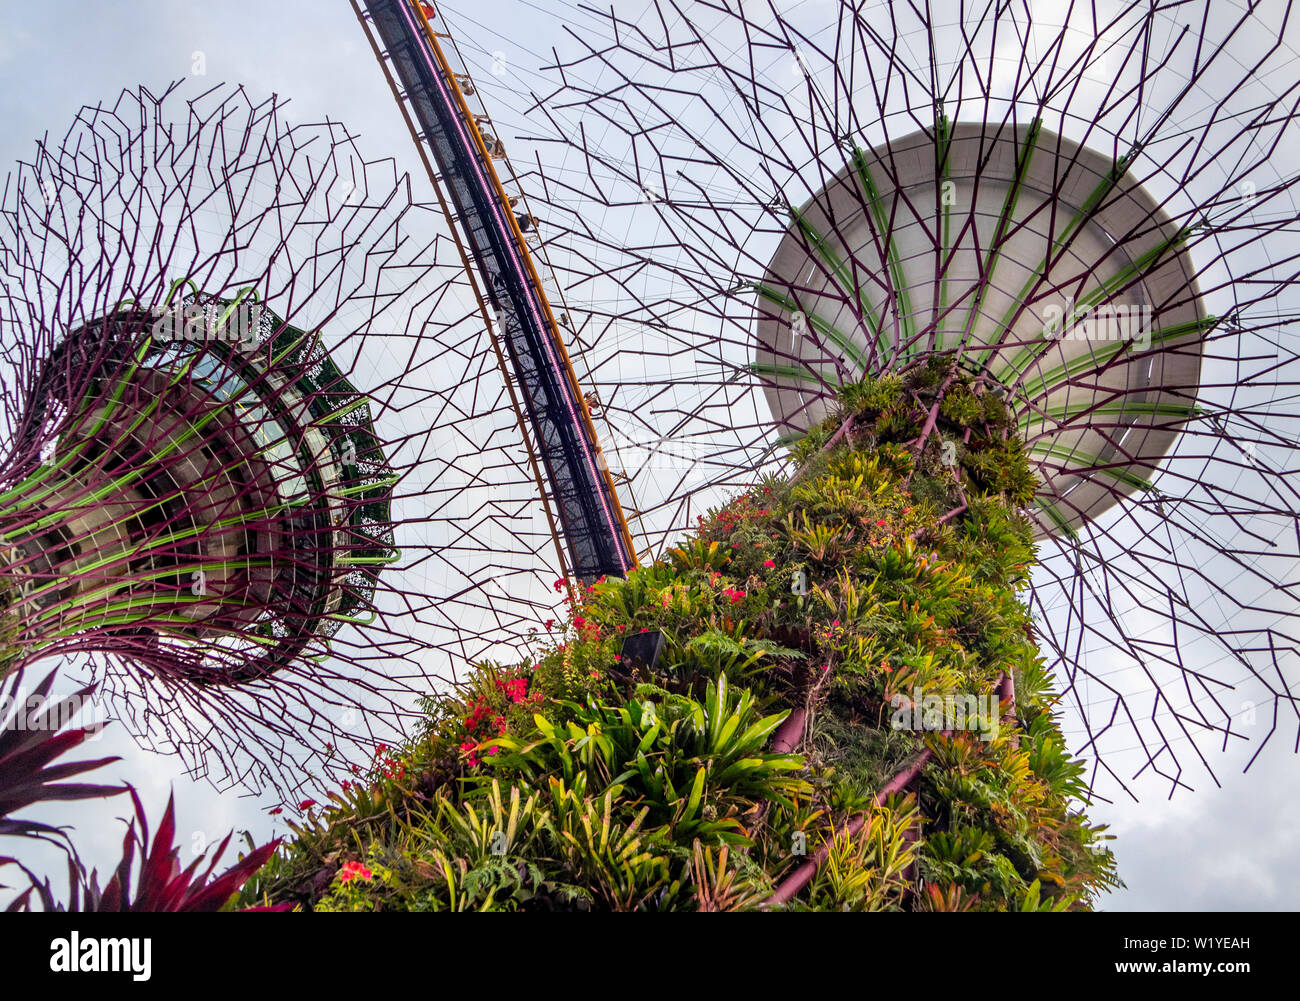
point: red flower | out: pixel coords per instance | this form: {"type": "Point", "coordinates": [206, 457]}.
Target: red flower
{"type": "Point", "coordinates": [769, 563]}
{"type": "Point", "coordinates": [472, 758]}
{"type": "Point", "coordinates": [306, 804]}
{"type": "Point", "coordinates": [515, 689]}
{"type": "Point", "coordinates": [549, 623]}
{"type": "Point", "coordinates": [559, 584]}
{"type": "Point", "coordinates": [276, 812]}
{"type": "Point", "coordinates": [354, 870]}
{"type": "Point", "coordinates": [882, 523]}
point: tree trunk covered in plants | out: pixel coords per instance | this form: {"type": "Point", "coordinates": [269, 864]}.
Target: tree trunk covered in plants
{"type": "Point", "coordinates": [872, 599]}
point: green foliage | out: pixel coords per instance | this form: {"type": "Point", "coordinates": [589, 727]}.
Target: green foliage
{"type": "Point", "coordinates": [888, 566]}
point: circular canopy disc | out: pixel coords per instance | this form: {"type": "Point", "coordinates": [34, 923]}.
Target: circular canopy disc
{"type": "Point", "coordinates": [1034, 261]}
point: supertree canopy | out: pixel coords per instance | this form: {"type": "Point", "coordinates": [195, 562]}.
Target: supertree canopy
{"type": "Point", "coordinates": [201, 504]}
{"type": "Point", "coordinates": [204, 509]}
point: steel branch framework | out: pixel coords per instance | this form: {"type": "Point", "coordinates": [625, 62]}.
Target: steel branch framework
{"type": "Point", "coordinates": [754, 205]}
{"type": "Point", "coordinates": [214, 487]}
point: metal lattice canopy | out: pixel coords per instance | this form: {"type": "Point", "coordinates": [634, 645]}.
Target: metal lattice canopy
{"type": "Point", "coordinates": [239, 531]}
{"type": "Point", "coordinates": [747, 204]}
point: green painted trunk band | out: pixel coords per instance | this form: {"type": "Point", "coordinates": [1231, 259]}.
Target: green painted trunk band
{"type": "Point", "coordinates": [1053, 377]}
{"type": "Point", "coordinates": [796, 374]}
{"type": "Point", "coordinates": [838, 269]}
{"type": "Point", "coordinates": [234, 303]}
{"type": "Point", "coordinates": [107, 590]}
{"type": "Point", "coordinates": [177, 284]}
{"type": "Point", "coordinates": [1059, 520]}
{"type": "Point", "coordinates": [1108, 184]}
{"type": "Point", "coordinates": [999, 231]}
{"type": "Point", "coordinates": [943, 144]}
{"type": "Point", "coordinates": [180, 536]}
{"type": "Point", "coordinates": [383, 483]}
{"type": "Point", "coordinates": [342, 411]}
{"type": "Point", "coordinates": [845, 344]}
{"type": "Point", "coordinates": [369, 561]}
{"type": "Point", "coordinates": [114, 486]}
{"type": "Point", "coordinates": [1186, 411]}
{"type": "Point", "coordinates": [877, 210]}
{"type": "Point", "coordinates": [354, 619]}
{"type": "Point", "coordinates": [1090, 466]}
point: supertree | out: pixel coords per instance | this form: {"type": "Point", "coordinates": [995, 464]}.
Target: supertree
{"type": "Point", "coordinates": [901, 308]}
{"type": "Point", "coordinates": [212, 412]}
{"type": "Point", "coordinates": [736, 209]}
{"type": "Point", "coordinates": [1090, 213]}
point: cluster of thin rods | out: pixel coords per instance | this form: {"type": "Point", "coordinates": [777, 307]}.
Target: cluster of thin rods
{"type": "Point", "coordinates": [675, 149]}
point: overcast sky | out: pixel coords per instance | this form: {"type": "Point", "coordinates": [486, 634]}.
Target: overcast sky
{"type": "Point", "coordinates": [1228, 848]}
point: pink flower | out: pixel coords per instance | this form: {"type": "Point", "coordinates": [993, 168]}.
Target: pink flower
{"type": "Point", "coordinates": [354, 870]}
{"type": "Point", "coordinates": [769, 563]}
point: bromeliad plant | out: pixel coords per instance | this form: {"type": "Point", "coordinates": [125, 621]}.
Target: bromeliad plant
{"type": "Point", "coordinates": [34, 733]}
{"type": "Point", "coordinates": [796, 627]}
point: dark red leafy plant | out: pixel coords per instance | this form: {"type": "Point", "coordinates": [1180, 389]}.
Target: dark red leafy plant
{"type": "Point", "coordinates": [27, 774]}
{"type": "Point", "coordinates": [162, 885]}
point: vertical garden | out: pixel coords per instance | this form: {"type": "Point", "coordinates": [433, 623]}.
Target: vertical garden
{"type": "Point", "coordinates": [827, 697]}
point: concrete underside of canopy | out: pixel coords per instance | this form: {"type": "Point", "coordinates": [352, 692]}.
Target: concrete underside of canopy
{"type": "Point", "coordinates": [1037, 262]}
